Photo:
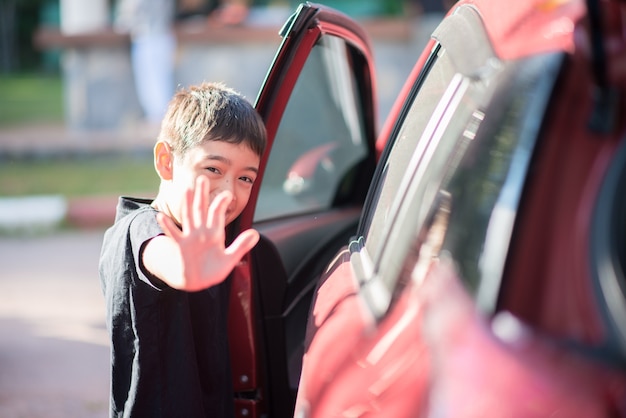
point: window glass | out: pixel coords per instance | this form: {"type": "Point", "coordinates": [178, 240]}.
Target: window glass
{"type": "Point", "coordinates": [487, 183]}
{"type": "Point", "coordinates": [320, 137]}
{"type": "Point", "coordinates": [442, 145]}
{"type": "Point", "coordinates": [470, 161]}
{"type": "Point", "coordinates": [405, 147]}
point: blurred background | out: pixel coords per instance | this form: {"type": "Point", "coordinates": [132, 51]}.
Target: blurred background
{"type": "Point", "coordinates": [75, 134]}
{"type": "Point", "coordinates": [67, 89]}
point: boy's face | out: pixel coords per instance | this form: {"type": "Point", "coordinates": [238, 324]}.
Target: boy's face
{"type": "Point", "coordinates": [232, 167]}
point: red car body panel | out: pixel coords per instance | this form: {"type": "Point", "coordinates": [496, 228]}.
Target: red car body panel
{"type": "Point", "coordinates": [522, 28]}
{"type": "Point", "coordinates": [575, 162]}
{"type": "Point", "coordinates": [559, 212]}
{"type": "Point", "coordinates": [500, 367]}
{"type": "Point", "coordinates": [347, 372]}
{"type": "Point", "coordinates": [433, 353]}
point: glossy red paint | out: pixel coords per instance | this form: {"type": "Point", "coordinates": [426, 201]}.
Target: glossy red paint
{"type": "Point", "coordinates": [500, 367]}
{"type": "Point", "coordinates": [530, 27]}
{"type": "Point", "coordinates": [434, 354]}
{"type": "Point", "coordinates": [373, 366]}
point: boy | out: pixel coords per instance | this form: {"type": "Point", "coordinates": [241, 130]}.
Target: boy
{"type": "Point", "coordinates": [164, 262]}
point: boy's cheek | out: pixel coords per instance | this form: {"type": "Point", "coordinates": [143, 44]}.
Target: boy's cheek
{"type": "Point", "coordinates": [182, 181]}
{"type": "Point", "coordinates": [241, 204]}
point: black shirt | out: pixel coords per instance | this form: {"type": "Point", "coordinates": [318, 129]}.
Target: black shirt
{"type": "Point", "coordinates": [169, 348]}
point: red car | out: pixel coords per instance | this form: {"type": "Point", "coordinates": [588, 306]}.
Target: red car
{"type": "Point", "coordinates": [468, 258]}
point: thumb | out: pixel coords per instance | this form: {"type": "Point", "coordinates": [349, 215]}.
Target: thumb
{"type": "Point", "coordinates": [243, 243]}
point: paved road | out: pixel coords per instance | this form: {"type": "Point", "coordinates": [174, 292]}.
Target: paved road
{"type": "Point", "coordinates": [53, 344]}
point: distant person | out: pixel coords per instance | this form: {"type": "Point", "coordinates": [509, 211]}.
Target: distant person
{"type": "Point", "coordinates": [164, 262]}
{"type": "Point", "coordinates": [150, 24]}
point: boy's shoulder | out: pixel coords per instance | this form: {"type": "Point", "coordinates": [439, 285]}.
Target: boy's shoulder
{"type": "Point", "coordinates": [132, 214]}
{"type": "Point", "coordinates": [131, 205]}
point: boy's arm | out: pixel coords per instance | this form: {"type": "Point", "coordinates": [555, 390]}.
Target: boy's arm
{"type": "Point", "coordinates": [195, 257]}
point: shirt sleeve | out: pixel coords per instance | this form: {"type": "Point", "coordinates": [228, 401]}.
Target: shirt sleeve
{"type": "Point", "coordinates": [143, 228]}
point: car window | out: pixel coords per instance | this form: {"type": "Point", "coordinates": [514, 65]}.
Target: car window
{"type": "Point", "coordinates": [385, 234]}
{"type": "Point", "coordinates": [408, 145]}
{"type": "Point", "coordinates": [473, 165]}
{"type": "Point", "coordinates": [320, 138]}
{"type": "Point", "coordinates": [463, 149]}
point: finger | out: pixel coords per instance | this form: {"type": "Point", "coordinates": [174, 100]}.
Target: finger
{"type": "Point", "coordinates": [186, 216]}
{"type": "Point", "coordinates": [200, 201]}
{"type": "Point", "coordinates": [169, 226]}
{"type": "Point", "coordinates": [243, 244]}
{"type": "Point", "coordinates": [217, 211]}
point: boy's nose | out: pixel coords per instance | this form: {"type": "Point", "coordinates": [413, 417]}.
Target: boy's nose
{"type": "Point", "coordinates": [227, 185]}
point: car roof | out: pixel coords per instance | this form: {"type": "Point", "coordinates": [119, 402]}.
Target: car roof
{"type": "Point", "coordinates": [518, 28]}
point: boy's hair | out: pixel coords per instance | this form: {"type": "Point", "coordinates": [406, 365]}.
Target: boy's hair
{"type": "Point", "coordinates": [211, 112]}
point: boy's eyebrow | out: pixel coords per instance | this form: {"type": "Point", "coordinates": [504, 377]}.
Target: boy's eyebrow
{"type": "Point", "coordinates": [229, 162]}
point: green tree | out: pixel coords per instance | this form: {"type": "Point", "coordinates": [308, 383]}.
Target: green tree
{"type": "Point", "coordinates": [18, 22]}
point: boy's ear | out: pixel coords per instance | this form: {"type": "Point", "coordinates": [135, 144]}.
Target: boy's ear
{"type": "Point", "coordinates": [163, 160]}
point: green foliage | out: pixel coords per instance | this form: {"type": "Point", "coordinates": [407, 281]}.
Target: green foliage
{"type": "Point", "coordinates": [79, 176]}
{"type": "Point", "coordinates": [35, 98]}
{"type": "Point", "coordinates": [21, 20]}
{"type": "Point", "coordinates": [30, 98]}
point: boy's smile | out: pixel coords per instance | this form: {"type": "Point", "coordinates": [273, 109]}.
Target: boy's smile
{"type": "Point", "coordinates": [231, 167]}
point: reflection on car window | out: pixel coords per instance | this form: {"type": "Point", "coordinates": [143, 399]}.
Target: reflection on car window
{"type": "Point", "coordinates": [476, 156]}
{"type": "Point", "coordinates": [462, 149]}
{"type": "Point", "coordinates": [442, 144]}
{"type": "Point", "coordinates": [404, 148]}
{"type": "Point", "coordinates": [320, 138]}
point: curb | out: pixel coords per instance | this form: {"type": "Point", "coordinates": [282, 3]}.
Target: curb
{"type": "Point", "coordinates": [49, 212]}
{"type": "Point", "coordinates": [91, 212]}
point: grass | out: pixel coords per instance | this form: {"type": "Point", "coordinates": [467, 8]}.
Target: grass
{"type": "Point", "coordinates": [36, 98]}
{"type": "Point", "coordinates": [79, 176]}
{"type": "Point", "coordinates": [30, 98]}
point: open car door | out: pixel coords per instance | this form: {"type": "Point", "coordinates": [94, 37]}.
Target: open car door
{"type": "Point", "coordinates": [318, 103]}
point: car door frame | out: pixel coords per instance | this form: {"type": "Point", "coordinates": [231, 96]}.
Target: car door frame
{"type": "Point", "coordinates": [260, 386]}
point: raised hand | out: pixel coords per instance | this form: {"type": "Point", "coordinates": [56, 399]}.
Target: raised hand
{"type": "Point", "coordinates": [194, 257]}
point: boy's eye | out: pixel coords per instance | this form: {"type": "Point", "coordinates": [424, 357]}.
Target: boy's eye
{"type": "Point", "coordinates": [213, 170]}
{"type": "Point", "coordinates": [247, 179]}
